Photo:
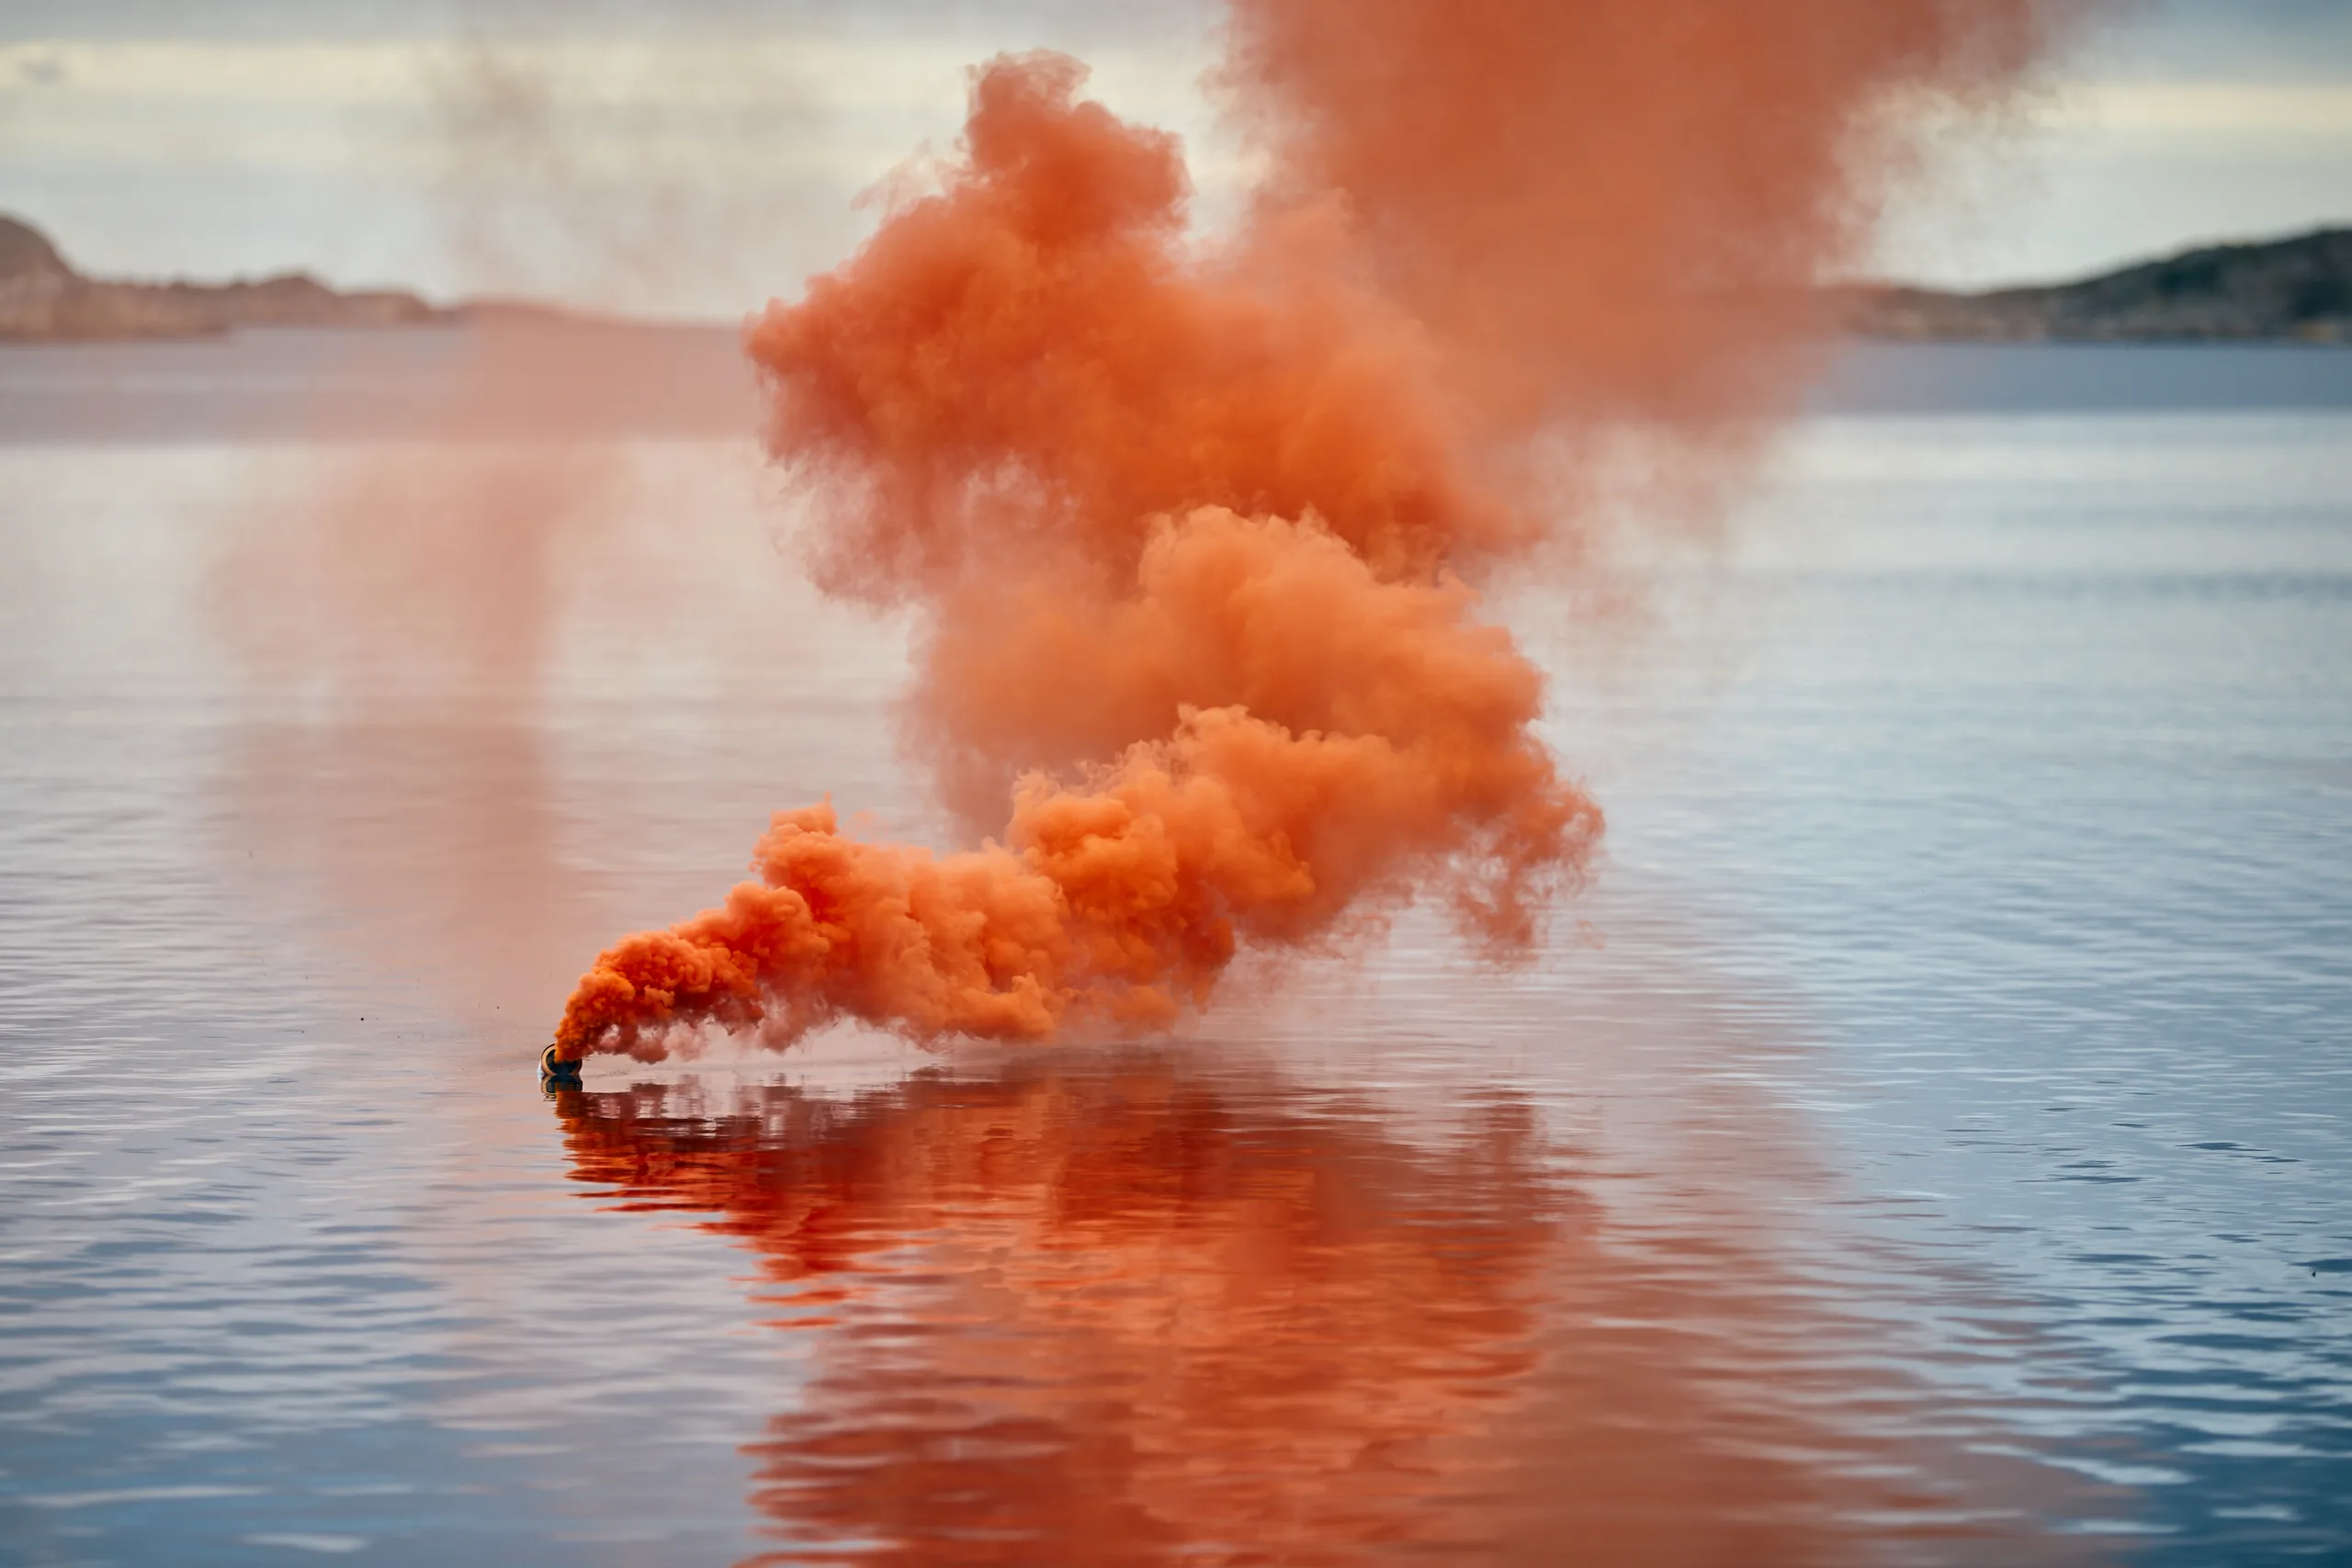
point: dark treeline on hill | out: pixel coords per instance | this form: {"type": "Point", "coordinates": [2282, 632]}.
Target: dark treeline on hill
{"type": "Point", "coordinates": [2293, 290]}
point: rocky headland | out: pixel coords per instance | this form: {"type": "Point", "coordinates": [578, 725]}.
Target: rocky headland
{"type": "Point", "coordinates": [44, 299]}
{"type": "Point", "coordinates": [2291, 290]}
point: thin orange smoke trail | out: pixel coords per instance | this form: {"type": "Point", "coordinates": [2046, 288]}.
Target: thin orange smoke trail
{"type": "Point", "coordinates": [1194, 527]}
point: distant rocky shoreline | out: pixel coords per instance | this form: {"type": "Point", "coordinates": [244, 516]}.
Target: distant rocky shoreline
{"type": "Point", "coordinates": [2291, 290]}
{"type": "Point", "coordinates": [44, 299]}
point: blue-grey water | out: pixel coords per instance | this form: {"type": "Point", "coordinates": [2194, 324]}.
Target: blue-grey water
{"type": "Point", "coordinates": [1929, 1140]}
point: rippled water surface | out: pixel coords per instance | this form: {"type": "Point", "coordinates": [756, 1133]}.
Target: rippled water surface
{"type": "Point", "coordinates": [1926, 1141]}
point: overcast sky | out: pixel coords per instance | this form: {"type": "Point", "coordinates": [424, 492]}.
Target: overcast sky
{"type": "Point", "coordinates": [697, 156]}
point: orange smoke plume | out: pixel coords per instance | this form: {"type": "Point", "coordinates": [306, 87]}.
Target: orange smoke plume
{"type": "Point", "coordinates": [1195, 525]}
{"type": "Point", "coordinates": [1612, 209]}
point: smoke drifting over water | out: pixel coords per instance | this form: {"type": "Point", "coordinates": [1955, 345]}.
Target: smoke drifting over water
{"type": "Point", "coordinates": [1195, 526]}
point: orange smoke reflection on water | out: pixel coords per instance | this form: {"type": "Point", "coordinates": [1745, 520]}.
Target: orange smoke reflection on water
{"type": "Point", "coordinates": [1155, 1305]}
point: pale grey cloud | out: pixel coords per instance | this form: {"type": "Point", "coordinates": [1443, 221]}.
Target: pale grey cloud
{"type": "Point", "coordinates": [678, 170]}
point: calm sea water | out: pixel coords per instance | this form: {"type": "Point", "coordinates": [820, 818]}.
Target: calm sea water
{"type": "Point", "coordinates": [1927, 1142]}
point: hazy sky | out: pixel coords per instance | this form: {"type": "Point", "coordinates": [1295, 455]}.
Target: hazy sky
{"type": "Point", "coordinates": [695, 158]}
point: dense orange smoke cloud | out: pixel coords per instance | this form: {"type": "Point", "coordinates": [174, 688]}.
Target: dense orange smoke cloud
{"type": "Point", "coordinates": [1193, 524]}
{"type": "Point", "coordinates": [1611, 209]}
{"type": "Point", "coordinates": [1121, 899]}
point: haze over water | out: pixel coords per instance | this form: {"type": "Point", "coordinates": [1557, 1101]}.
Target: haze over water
{"type": "Point", "coordinates": [1925, 1142]}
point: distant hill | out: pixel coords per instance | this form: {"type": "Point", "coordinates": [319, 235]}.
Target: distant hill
{"type": "Point", "coordinates": [2291, 290]}
{"type": "Point", "coordinates": [42, 298]}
